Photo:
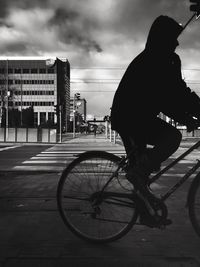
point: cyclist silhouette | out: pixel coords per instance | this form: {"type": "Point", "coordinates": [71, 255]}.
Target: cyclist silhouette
{"type": "Point", "coordinates": [152, 84]}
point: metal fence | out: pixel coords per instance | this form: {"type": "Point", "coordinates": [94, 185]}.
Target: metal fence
{"type": "Point", "coordinates": [113, 136]}
{"type": "Point", "coordinates": [28, 135]}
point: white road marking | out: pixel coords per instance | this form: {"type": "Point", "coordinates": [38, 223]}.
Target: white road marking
{"type": "Point", "coordinates": [8, 147]}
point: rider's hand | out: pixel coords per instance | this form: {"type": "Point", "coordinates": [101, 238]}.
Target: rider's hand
{"type": "Point", "coordinates": [192, 124]}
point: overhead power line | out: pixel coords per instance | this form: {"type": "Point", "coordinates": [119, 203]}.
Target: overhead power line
{"type": "Point", "coordinates": [99, 68]}
{"type": "Point", "coordinates": [97, 82]}
{"type": "Point", "coordinates": [94, 91]}
{"type": "Point", "coordinates": [117, 68]}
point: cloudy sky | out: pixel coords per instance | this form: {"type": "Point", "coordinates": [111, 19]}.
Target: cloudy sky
{"type": "Point", "coordinates": [99, 38]}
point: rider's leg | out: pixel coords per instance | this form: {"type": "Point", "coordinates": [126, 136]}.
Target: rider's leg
{"type": "Point", "coordinates": [136, 172]}
{"type": "Point", "coordinates": [165, 140]}
{"type": "Point", "coordinates": [139, 165]}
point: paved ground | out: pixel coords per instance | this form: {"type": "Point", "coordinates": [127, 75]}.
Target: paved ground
{"type": "Point", "coordinates": [33, 234]}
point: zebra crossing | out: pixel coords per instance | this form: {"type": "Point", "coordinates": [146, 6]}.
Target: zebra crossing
{"type": "Point", "coordinates": [56, 158]}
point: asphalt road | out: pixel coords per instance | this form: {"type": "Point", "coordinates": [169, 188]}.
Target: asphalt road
{"type": "Point", "coordinates": [15, 154]}
{"type": "Point", "coordinates": [33, 234]}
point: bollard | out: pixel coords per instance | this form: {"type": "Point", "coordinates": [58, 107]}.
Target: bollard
{"type": "Point", "coordinates": [114, 137]}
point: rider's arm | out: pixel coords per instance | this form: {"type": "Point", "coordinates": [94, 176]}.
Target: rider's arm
{"type": "Point", "coordinates": [180, 99]}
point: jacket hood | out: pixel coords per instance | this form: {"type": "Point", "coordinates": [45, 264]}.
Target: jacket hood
{"type": "Point", "coordinates": [163, 30]}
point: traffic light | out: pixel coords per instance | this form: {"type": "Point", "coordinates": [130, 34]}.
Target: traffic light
{"type": "Point", "coordinates": [56, 109]}
{"type": "Point", "coordinates": [77, 95]}
{"type": "Point", "coordinates": [195, 7]}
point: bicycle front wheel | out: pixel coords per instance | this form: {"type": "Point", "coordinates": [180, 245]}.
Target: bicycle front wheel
{"type": "Point", "coordinates": [194, 203]}
{"type": "Point", "coordinates": [91, 217]}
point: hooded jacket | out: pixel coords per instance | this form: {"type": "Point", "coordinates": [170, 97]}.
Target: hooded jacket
{"type": "Point", "coordinates": [153, 83]}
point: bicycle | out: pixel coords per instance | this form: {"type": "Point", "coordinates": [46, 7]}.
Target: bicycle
{"type": "Point", "coordinates": [98, 203]}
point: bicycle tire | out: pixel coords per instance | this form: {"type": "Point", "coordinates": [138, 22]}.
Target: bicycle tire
{"type": "Point", "coordinates": [194, 203]}
{"type": "Point", "coordinates": [79, 181]}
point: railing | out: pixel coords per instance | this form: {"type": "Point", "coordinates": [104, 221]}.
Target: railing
{"type": "Point", "coordinates": [28, 135]}
{"type": "Point", "coordinates": [114, 137]}
{"type": "Point", "coordinates": [111, 134]}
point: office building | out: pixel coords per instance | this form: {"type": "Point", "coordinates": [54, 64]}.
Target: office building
{"type": "Point", "coordinates": [38, 83]}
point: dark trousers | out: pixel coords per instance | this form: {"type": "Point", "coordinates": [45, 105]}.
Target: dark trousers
{"type": "Point", "coordinates": [164, 138]}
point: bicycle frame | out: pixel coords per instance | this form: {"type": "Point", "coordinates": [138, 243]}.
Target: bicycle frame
{"type": "Point", "coordinates": [159, 174]}
{"type": "Point", "coordinates": [181, 180]}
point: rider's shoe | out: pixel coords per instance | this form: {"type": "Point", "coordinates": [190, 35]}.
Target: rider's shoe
{"type": "Point", "coordinates": [153, 221]}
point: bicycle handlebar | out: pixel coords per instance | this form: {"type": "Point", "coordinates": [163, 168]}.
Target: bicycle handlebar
{"type": "Point", "coordinates": [193, 126]}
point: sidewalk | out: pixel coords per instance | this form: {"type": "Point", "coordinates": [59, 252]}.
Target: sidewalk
{"type": "Point", "coordinates": [33, 234]}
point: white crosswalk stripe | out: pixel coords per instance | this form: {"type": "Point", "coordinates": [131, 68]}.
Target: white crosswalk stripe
{"type": "Point", "coordinates": [54, 160]}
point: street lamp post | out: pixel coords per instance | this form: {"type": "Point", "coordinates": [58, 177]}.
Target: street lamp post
{"type": "Point", "coordinates": [7, 95]}
{"type": "Point", "coordinates": [74, 118]}
{"type": "Point", "coordinates": [76, 97]}
{"type": "Point", "coordinates": [21, 120]}
{"type": "Point", "coordinates": [60, 107]}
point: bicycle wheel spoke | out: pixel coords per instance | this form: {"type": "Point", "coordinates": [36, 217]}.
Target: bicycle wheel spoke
{"type": "Point", "coordinates": [197, 206]}
{"type": "Point", "coordinates": [89, 218]}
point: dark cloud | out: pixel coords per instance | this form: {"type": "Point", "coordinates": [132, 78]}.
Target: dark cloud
{"type": "Point", "coordinates": [135, 17]}
{"type": "Point", "coordinates": [4, 8]}
{"type": "Point", "coordinates": [80, 24]}
{"type": "Point", "coordinates": [19, 48]}
{"type": "Point", "coordinates": [62, 16]}
{"type": "Point", "coordinates": [72, 28]}
{"type": "Point", "coordinates": [7, 5]}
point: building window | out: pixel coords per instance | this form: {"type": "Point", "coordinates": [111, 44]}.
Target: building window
{"type": "Point", "coordinates": [10, 70]}
{"type": "Point", "coordinates": [25, 71]}
{"type": "Point", "coordinates": [51, 117]}
{"type": "Point", "coordinates": [42, 117]}
{"type": "Point", "coordinates": [35, 118]}
{"type": "Point", "coordinates": [34, 71]}
{"type": "Point", "coordinates": [51, 70]}
{"type": "Point", "coordinates": [42, 70]}
{"type": "Point", "coordinates": [17, 70]}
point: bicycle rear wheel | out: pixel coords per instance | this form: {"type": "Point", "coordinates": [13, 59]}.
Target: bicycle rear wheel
{"type": "Point", "coordinates": [79, 188]}
{"type": "Point", "coordinates": [194, 203]}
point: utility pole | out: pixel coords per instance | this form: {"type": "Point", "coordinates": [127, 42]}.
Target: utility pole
{"type": "Point", "coordinates": [7, 99]}
{"type": "Point", "coordinates": [21, 101]}
{"type": "Point", "coordinates": [74, 117]}
{"type": "Point", "coordinates": [60, 123]}
{"type": "Point", "coordinates": [76, 97]}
